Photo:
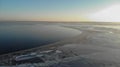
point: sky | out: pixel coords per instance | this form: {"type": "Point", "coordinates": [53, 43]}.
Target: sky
{"type": "Point", "coordinates": [60, 10]}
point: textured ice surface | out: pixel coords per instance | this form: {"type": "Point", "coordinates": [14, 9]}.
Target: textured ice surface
{"type": "Point", "coordinates": [96, 46]}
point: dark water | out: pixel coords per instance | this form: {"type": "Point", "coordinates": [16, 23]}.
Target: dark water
{"type": "Point", "coordinates": [16, 36]}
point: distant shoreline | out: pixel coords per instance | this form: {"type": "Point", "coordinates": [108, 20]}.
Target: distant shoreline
{"type": "Point", "coordinates": [69, 22]}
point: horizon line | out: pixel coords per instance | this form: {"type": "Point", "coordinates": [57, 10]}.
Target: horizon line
{"type": "Point", "coordinates": [61, 21]}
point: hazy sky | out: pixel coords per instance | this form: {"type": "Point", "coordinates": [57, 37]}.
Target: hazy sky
{"type": "Point", "coordinates": [60, 10]}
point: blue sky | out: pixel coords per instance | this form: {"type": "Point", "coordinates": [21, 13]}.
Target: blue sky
{"type": "Point", "coordinates": [50, 10]}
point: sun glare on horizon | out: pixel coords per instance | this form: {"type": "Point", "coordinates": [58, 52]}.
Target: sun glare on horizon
{"type": "Point", "coordinates": [110, 14]}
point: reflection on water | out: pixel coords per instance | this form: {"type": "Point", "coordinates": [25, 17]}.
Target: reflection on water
{"type": "Point", "coordinates": [17, 36]}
